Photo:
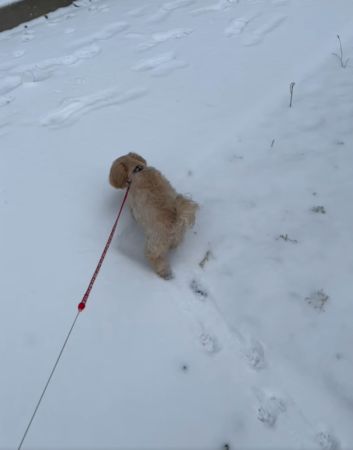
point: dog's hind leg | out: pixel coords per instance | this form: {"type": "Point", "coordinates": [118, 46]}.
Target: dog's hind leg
{"type": "Point", "coordinates": [156, 251]}
{"type": "Point", "coordinates": [185, 218]}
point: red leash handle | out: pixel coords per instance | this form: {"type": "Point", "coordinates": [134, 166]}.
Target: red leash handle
{"type": "Point", "coordinates": [82, 305]}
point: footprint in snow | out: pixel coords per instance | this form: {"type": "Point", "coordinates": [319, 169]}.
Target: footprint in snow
{"type": "Point", "coordinates": [252, 350]}
{"type": "Point", "coordinates": [159, 38]}
{"type": "Point", "coordinates": [254, 354]}
{"type": "Point", "coordinates": [138, 12]}
{"type": "Point", "coordinates": [105, 33]}
{"type": "Point", "coordinates": [99, 8]}
{"type": "Point", "coordinates": [198, 290]}
{"type": "Point", "coordinates": [221, 5]}
{"type": "Point", "coordinates": [258, 35]}
{"type": "Point", "coordinates": [41, 70]}
{"type": "Point", "coordinates": [10, 83]}
{"type": "Point", "coordinates": [55, 19]}
{"type": "Point", "coordinates": [35, 75]}
{"type": "Point", "coordinates": [167, 8]}
{"type": "Point", "coordinates": [270, 407]}
{"type": "Point", "coordinates": [317, 300]}
{"type": "Point", "coordinates": [236, 27]}
{"type": "Point", "coordinates": [209, 343]}
{"type": "Point", "coordinates": [73, 109]}
{"type": "Point", "coordinates": [327, 441]}
{"type": "Point", "coordinates": [160, 65]}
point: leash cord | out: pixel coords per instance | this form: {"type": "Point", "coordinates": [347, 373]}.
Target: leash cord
{"type": "Point", "coordinates": [82, 304]}
{"type": "Point", "coordinates": [81, 307]}
{"type": "Point", "coordinates": [48, 381]}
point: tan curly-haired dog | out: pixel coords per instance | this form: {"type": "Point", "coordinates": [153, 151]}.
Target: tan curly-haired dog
{"type": "Point", "coordinates": [163, 214]}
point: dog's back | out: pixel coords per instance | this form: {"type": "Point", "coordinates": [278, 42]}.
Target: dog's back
{"type": "Point", "coordinates": [155, 203]}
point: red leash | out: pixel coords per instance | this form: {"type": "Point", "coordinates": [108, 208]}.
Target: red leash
{"type": "Point", "coordinates": [82, 305]}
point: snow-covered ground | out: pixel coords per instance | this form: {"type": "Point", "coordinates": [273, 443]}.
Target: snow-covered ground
{"type": "Point", "coordinates": [252, 350]}
{"type": "Point", "coordinates": [6, 2]}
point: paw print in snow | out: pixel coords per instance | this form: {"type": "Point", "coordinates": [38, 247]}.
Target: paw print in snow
{"type": "Point", "coordinates": [198, 290]}
{"type": "Point", "coordinates": [327, 441]}
{"type": "Point", "coordinates": [266, 416]}
{"type": "Point", "coordinates": [318, 300]}
{"type": "Point", "coordinates": [209, 343]}
{"type": "Point", "coordinates": [319, 209]}
{"type": "Point", "coordinates": [270, 408]}
{"type": "Point", "coordinates": [255, 355]}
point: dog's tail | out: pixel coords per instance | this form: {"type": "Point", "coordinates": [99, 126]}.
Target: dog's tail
{"type": "Point", "coordinates": [186, 212]}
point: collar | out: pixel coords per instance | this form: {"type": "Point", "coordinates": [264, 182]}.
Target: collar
{"type": "Point", "coordinates": [137, 169]}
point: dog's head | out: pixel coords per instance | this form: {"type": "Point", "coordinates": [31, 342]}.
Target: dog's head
{"type": "Point", "coordinates": [122, 169]}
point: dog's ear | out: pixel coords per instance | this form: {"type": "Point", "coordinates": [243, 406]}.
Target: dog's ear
{"type": "Point", "coordinates": [138, 157]}
{"type": "Point", "coordinates": [118, 176]}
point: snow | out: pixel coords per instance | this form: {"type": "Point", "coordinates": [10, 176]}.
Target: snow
{"type": "Point", "coordinates": [6, 2]}
{"type": "Point", "coordinates": [252, 350]}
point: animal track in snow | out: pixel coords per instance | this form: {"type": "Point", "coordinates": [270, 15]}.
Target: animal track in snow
{"type": "Point", "coordinates": [221, 5]}
{"type": "Point", "coordinates": [98, 8]}
{"type": "Point", "coordinates": [35, 75]}
{"type": "Point", "coordinates": [72, 109]}
{"type": "Point", "coordinates": [209, 343]}
{"type": "Point", "coordinates": [106, 33]}
{"type": "Point", "coordinates": [58, 18]}
{"type": "Point", "coordinates": [160, 65]}
{"type": "Point", "coordinates": [198, 289]}
{"type": "Point", "coordinates": [252, 350]}
{"type": "Point", "coordinates": [9, 83]}
{"type": "Point", "coordinates": [159, 38]}
{"type": "Point", "coordinates": [167, 8]}
{"type": "Point", "coordinates": [257, 36]}
{"type": "Point", "coordinates": [42, 70]}
{"type": "Point", "coordinates": [137, 12]}
{"type": "Point", "coordinates": [237, 26]}
{"type": "Point", "coordinates": [270, 407]}
{"type": "Point", "coordinates": [254, 354]}
{"type": "Point", "coordinates": [318, 300]}
{"type": "Point", "coordinates": [66, 60]}
{"type": "Point", "coordinates": [327, 441]}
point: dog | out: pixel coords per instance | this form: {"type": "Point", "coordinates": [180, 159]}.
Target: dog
{"type": "Point", "coordinates": [163, 214]}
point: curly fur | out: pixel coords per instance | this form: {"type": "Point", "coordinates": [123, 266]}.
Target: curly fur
{"type": "Point", "coordinates": [163, 214]}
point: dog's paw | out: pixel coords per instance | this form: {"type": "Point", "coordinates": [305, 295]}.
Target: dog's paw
{"type": "Point", "coordinates": [166, 274]}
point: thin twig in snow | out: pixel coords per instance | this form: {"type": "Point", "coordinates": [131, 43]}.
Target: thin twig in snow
{"type": "Point", "coordinates": [205, 259]}
{"type": "Point", "coordinates": [340, 56]}
{"type": "Point", "coordinates": [291, 89]}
